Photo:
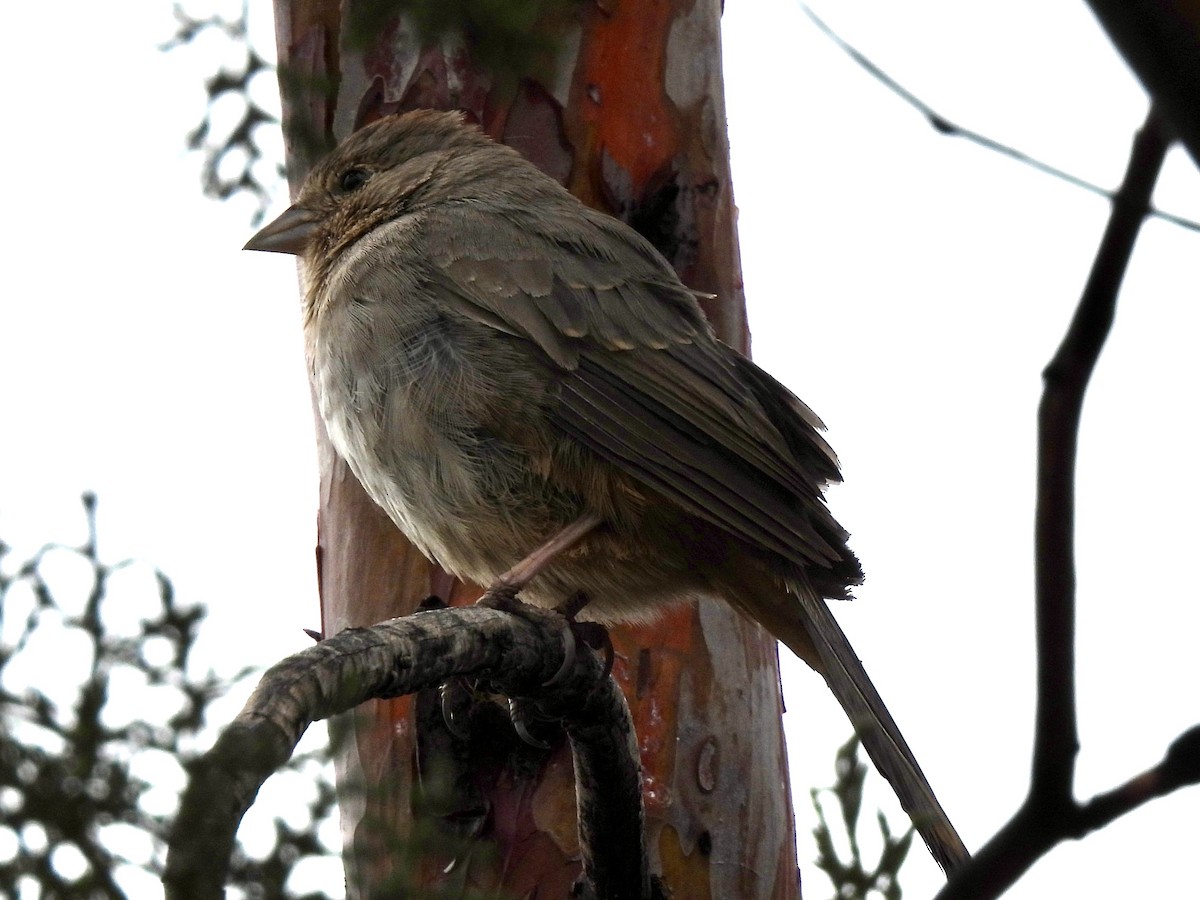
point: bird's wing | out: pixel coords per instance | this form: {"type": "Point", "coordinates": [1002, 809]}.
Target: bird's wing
{"type": "Point", "coordinates": [566, 284]}
{"type": "Point", "coordinates": [644, 383]}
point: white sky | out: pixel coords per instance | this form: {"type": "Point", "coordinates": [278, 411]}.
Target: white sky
{"type": "Point", "coordinates": [908, 286]}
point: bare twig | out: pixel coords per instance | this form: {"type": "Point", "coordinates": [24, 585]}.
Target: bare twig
{"type": "Point", "coordinates": [1179, 768]}
{"type": "Point", "coordinates": [943, 125]}
{"type": "Point", "coordinates": [509, 654]}
{"type": "Point", "coordinates": [1050, 813]}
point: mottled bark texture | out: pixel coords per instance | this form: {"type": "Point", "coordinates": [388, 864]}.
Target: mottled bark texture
{"type": "Point", "coordinates": [622, 101]}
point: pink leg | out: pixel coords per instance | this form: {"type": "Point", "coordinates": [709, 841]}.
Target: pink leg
{"type": "Point", "coordinates": [523, 572]}
{"type": "Point", "coordinates": [502, 595]}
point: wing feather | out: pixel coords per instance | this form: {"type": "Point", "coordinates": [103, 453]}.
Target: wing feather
{"type": "Point", "coordinates": [643, 382]}
{"type": "Point", "coordinates": [682, 460]}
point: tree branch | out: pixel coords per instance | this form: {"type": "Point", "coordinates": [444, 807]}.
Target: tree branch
{"type": "Point", "coordinates": [943, 125]}
{"type": "Point", "coordinates": [1159, 40]}
{"type": "Point", "coordinates": [1179, 768]}
{"type": "Point", "coordinates": [514, 655]}
{"type": "Point", "coordinates": [1050, 813]}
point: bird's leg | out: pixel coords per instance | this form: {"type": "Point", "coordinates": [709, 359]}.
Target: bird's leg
{"type": "Point", "coordinates": [523, 712]}
{"type": "Point", "coordinates": [502, 595]}
{"type": "Point", "coordinates": [572, 606]}
{"type": "Point", "coordinates": [505, 589]}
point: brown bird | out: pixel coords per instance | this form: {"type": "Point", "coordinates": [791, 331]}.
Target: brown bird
{"type": "Point", "coordinates": [528, 390]}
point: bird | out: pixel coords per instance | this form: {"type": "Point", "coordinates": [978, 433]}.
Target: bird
{"type": "Point", "coordinates": [528, 390]}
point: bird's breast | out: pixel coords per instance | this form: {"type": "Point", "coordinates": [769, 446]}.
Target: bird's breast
{"type": "Point", "coordinates": [437, 417]}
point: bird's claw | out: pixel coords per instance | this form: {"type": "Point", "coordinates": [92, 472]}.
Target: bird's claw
{"type": "Point", "coordinates": [503, 596]}
{"type": "Point", "coordinates": [456, 699]}
{"type": "Point", "coordinates": [570, 654]}
{"type": "Point", "coordinates": [593, 634]}
{"type": "Point", "coordinates": [596, 636]}
{"type": "Point", "coordinates": [523, 713]}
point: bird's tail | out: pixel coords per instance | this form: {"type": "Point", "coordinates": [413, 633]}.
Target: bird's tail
{"type": "Point", "coordinates": [815, 636]}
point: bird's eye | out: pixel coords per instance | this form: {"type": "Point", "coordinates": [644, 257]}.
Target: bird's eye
{"type": "Point", "coordinates": [353, 179]}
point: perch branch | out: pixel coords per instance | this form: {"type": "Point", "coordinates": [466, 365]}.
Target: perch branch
{"type": "Point", "coordinates": [508, 654]}
{"type": "Point", "coordinates": [1050, 813]}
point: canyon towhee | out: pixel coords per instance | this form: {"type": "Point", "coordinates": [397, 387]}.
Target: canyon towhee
{"type": "Point", "coordinates": [537, 401]}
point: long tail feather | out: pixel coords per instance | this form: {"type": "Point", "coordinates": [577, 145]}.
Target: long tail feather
{"type": "Point", "coordinates": [876, 728]}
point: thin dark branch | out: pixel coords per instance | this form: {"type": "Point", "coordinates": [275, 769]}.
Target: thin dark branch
{"type": "Point", "coordinates": [1050, 813]}
{"type": "Point", "coordinates": [1179, 768]}
{"type": "Point", "coordinates": [1066, 379]}
{"type": "Point", "coordinates": [507, 654]}
{"type": "Point", "coordinates": [943, 125]}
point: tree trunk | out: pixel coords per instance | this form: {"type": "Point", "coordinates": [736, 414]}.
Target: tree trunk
{"type": "Point", "coordinates": [627, 110]}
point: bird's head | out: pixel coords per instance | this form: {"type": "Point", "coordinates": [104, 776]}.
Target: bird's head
{"type": "Point", "coordinates": [388, 169]}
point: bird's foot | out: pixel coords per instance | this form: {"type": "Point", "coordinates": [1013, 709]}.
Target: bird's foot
{"type": "Point", "coordinates": [502, 596]}
{"type": "Point", "coordinates": [593, 634]}
{"type": "Point", "coordinates": [524, 713]}
{"type": "Point", "coordinates": [433, 601]}
{"type": "Point", "coordinates": [456, 698]}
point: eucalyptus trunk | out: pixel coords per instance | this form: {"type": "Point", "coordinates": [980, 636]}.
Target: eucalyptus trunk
{"type": "Point", "coordinates": [622, 101]}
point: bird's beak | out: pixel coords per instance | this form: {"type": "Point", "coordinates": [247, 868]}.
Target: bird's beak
{"type": "Point", "coordinates": [289, 233]}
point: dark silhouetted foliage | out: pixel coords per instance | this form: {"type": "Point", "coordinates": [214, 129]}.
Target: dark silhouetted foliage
{"type": "Point", "coordinates": [90, 770]}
